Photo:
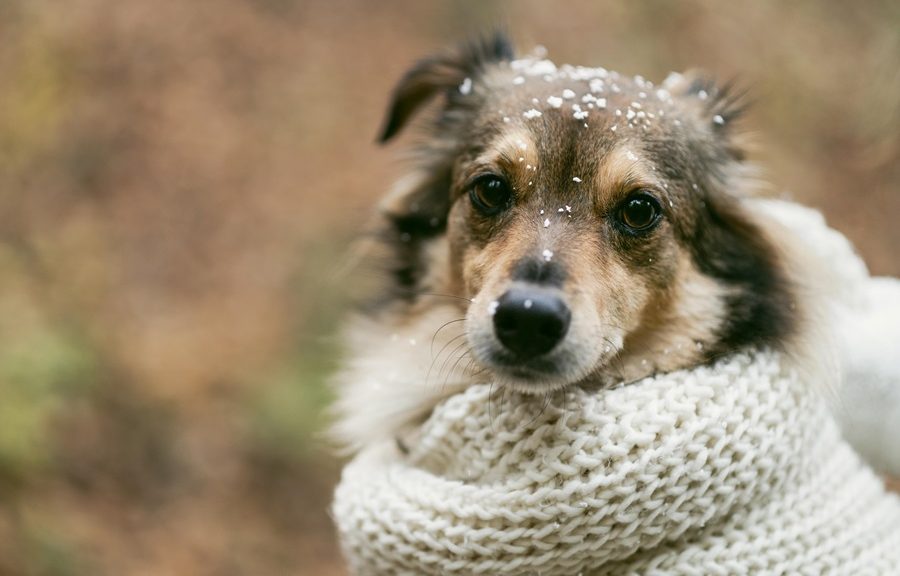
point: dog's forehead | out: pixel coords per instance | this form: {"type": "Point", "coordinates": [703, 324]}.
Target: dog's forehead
{"type": "Point", "coordinates": [576, 116]}
{"type": "Point", "coordinates": [576, 125]}
{"type": "Point", "coordinates": [533, 92]}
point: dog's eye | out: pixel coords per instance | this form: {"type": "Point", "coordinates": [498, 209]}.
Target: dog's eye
{"type": "Point", "coordinates": [490, 195]}
{"type": "Point", "coordinates": [640, 212]}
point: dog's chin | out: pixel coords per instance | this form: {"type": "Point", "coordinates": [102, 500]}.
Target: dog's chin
{"type": "Point", "coordinates": [529, 383]}
{"type": "Point", "coordinates": [533, 376]}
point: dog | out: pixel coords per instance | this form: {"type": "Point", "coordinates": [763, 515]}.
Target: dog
{"type": "Point", "coordinates": [560, 226]}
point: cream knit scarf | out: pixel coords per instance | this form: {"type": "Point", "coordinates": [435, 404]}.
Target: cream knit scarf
{"type": "Point", "coordinates": [734, 468]}
{"type": "Point", "coordinates": [738, 468]}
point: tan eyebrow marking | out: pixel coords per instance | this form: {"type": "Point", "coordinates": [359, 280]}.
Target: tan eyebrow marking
{"type": "Point", "coordinates": [515, 153]}
{"type": "Point", "coordinates": [618, 172]}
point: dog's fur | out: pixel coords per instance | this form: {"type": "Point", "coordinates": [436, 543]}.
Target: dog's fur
{"type": "Point", "coordinates": [573, 144]}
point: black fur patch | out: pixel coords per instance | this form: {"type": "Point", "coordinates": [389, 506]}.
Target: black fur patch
{"type": "Point", "coordinates": [423, 218]}
{"type": "Point", "coordinates": [728, 247]}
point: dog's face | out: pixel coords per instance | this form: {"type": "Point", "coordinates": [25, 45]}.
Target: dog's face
{"type": "Point", "coordinates": [589, 219]}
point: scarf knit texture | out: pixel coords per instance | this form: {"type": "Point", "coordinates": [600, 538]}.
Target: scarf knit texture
{"type": "Point", "coordinates": [738, 467]}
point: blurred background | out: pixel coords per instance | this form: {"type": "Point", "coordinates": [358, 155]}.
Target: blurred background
{"type": "Point", "coordinates": [180, 180]}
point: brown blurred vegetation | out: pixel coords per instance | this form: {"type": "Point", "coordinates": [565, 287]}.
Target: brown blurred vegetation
{"type": "Point", "coordinates": [180, 180]}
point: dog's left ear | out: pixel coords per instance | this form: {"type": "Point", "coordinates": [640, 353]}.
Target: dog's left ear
{"type": "Point", "coordinates": [446, 72]}
{"type": "Point", "coordinates": [720, 106]}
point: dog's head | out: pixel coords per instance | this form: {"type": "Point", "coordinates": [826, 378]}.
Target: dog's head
{"type": "Point", "coordinates": [593, 220]}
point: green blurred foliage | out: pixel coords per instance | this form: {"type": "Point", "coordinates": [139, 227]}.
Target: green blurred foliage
{"type": "Point", "coordinates": [39, 370]}
{"type": "Point", "coordinates": [288, 419]}
{"type": "Point", "coordinates": [51, 554]}
{"type": "Point", "coordinates": [43, 363]}
{"type": "Point", "coordinates": [34, 99]}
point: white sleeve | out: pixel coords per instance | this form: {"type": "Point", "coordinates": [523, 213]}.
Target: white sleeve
{"type": "Point", "coordinates": [864, 318]}
{"type": "Point", "coordinates": [869, 335]}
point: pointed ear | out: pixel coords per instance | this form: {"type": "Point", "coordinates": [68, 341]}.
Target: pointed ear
{"type": "Point", "coordinates": [442, 73]}
{"type": "Point", "coordinates": [718, 105]}
{"type": "Point", "coordinates": [721, 104]}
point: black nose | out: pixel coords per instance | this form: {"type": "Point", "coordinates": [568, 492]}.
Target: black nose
{"type": "Point", "coordinates": [530, 322]}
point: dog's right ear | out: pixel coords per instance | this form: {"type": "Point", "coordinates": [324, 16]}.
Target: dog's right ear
{"type": "Point", "coordinates": [442, 73]}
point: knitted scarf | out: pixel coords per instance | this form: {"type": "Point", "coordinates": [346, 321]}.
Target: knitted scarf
{"type": "Point", "coordinates": [737, 468]}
